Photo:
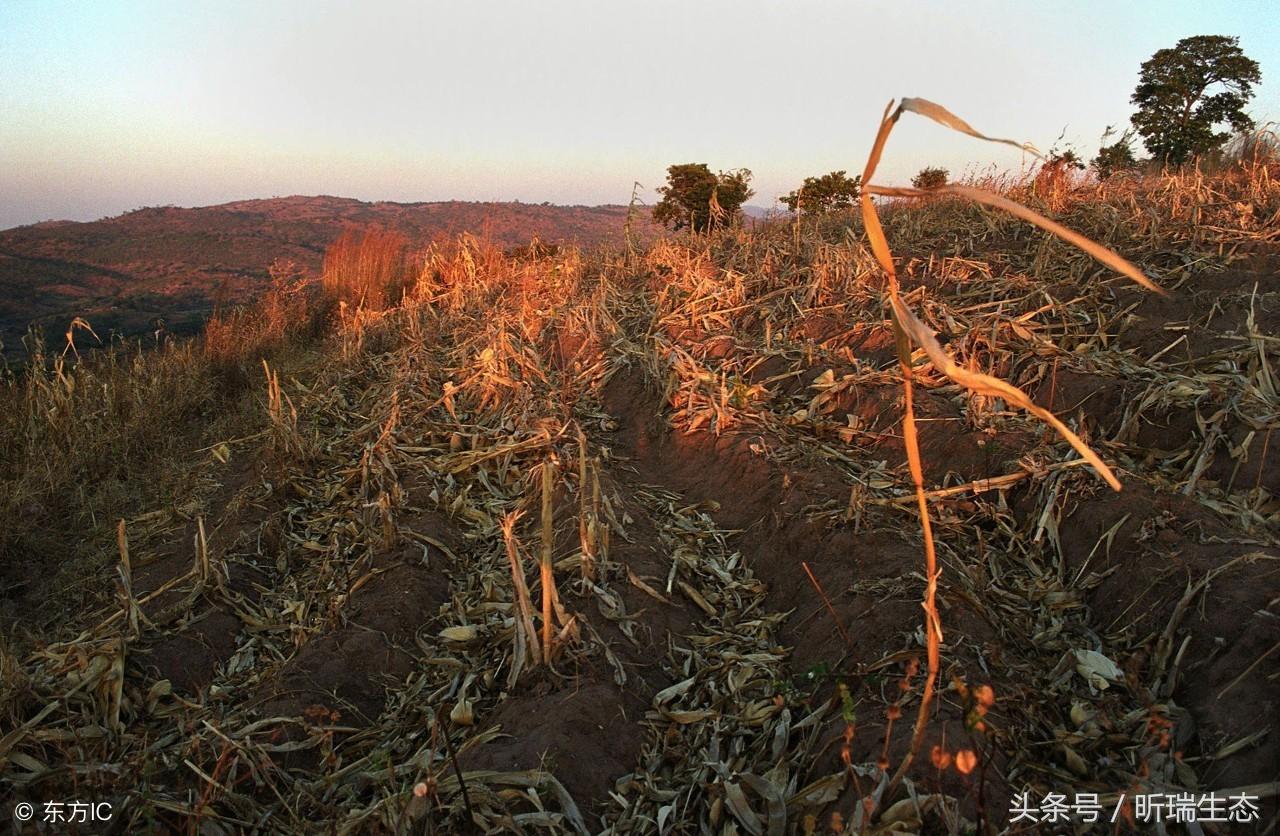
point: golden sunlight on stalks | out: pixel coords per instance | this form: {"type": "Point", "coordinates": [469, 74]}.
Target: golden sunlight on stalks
{"type": "Point", "coordinates": [544, 559]}
{"type": "Point", "coordinates": [909, 329]}
{"type": "Point", "coordinates": [283, 415]}
{"type": "Point", "coordinates": [366, 270]}
{"type": "Point", "coordinates": [589, 529]}
{"type": "Point", "coordinates": [525, 647]}
{"type": "Point", "coordinates": [247, 333]}
{"type": "Point", "coordinates": [626, 543]}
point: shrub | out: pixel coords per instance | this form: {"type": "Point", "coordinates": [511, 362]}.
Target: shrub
{"type": "Point", "coordinates": [696, 199]}
{"type": "Point", "coordinates": [818, 195]}
{"type": "Point", "coordinates": [930, 177]}
{"type": "Point", "coordinates": [1114, 158]}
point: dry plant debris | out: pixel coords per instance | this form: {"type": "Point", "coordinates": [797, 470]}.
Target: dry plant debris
{"type": "Point", "coordinates": [631, 543]}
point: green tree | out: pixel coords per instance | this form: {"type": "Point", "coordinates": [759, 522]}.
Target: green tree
{"type": "Point", "coordinates": [696, 199]}
{"type": "Point", "coordinates": [930, 178]}
{"type": "Point", "coordinates": [827, 193]}
{"type": "Point", "coordinates": [1185, 92]}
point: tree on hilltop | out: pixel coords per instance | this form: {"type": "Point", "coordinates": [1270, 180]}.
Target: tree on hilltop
{"type": "Point", "coordinates": [1183, 93]}
{"type": "Point", "coordinates": [931, 177]}
{"type": "Point", "coordinates": [827, 193]}
{"type": "Point", "coordinates": [696, 199]}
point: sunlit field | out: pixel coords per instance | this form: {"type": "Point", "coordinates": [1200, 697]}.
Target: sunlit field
{"type": "Point", "coordinates": [911, 516]}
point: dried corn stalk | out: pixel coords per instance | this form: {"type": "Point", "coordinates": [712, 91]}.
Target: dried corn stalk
{"type": "Point", "coordinates": [908, 329]}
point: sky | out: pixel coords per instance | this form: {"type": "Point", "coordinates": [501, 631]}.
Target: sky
{"type": "Point", "coordinates": [106, 107]}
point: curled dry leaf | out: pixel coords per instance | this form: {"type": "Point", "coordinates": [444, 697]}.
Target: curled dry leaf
{"type": "Point", "coordinates": [460, 634]}
{"type": "Point", "coordinates": [985, 384]}
{"type": "Point", "coordinates": [942, 116]}
{"type": "Point", "coordinates": [463, 714]}
{"type": "Point", "coordinates": [1097, 670]}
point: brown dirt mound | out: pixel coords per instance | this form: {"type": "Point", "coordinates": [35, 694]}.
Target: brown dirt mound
{"type": "Point", "coordinates": [1152, 550]}
{"type": "Point", "coordinates": [349, 669]}
{"type": "Point", "coordinates": [190, 658]}
{"type": "Point", "coordinates": [584, 733]}
{"type": "Point", "coordinates": [767, 503]}
{"type": "Point", "coordinates": [346, 671]}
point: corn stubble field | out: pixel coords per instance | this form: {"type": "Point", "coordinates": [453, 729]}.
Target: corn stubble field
{"type": "Point", "coordinates": [746, 532]}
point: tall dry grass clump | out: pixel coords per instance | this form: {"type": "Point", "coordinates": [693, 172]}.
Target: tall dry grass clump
{"type": "Point", "coordinates": [89, 437]}
{"type": "Point", "coordinates": [238, 339]}
{"type": "Point", "coordinates": [84, 442]}
{"type": "Point", "coordinates": [367, 269]}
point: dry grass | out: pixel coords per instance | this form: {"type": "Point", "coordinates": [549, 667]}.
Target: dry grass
{"type": "Point", "coordinates": [367, 269]}
{"type": "Point", "coordinates": [462, 426]}
{"type": "Point", "coordinates": [89, 437]}
{"type": "Point", "coordinates": [73, 441]}
{"type": "Point", "coordinates": [287, 311]}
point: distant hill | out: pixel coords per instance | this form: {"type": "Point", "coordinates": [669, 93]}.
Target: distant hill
{"type": "Point", "coordinates": [123, 274]}
{"type": "Point", "coordinates": [764, 212]}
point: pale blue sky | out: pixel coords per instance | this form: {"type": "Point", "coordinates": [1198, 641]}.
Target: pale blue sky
{"type": "Point", "coordinates": [108, 106]}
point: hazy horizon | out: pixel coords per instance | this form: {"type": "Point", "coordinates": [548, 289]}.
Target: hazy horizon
{"type": "Point", "coordinates": [121, 105]}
